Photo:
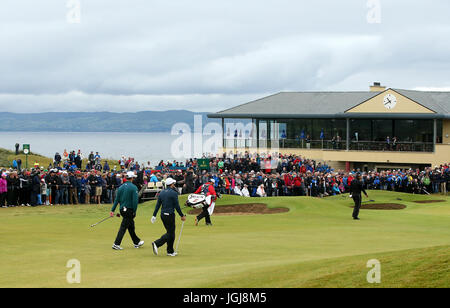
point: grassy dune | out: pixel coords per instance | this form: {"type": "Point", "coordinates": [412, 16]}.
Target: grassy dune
{"type": "Point", "coordinates": [7, 156]}
{"type": "Point", "coordinates": [4, 162]}
{"type": "Point", "coordinates": [315, 244]}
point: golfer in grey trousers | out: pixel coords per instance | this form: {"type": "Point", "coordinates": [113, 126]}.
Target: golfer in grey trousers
{"type": "Point", "coordinates": [168, 202]}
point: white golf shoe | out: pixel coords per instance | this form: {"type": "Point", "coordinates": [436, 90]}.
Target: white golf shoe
{"type": "Point", "coordinates": [155, 248]}
{"type": "Point", "coordinates": [173, 254]}
{"type": "Point", "coordinates": [139, 245]}
{"type": "Point", "coordinates": [116, 247]}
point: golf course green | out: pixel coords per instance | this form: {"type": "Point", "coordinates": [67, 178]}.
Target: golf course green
{"type": "Point", "coordinates": [315, 244]}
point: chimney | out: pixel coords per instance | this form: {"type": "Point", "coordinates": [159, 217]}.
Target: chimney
{"type": "Point", "coordinates": [377, 87]}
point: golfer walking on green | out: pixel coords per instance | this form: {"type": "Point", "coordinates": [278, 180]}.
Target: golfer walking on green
{"type": "Point", "coordinates": [127, 196]}
{"type": "Point", "coordinates": [356, 188]}
{"type": "Point", "coordinates": [168, 202]}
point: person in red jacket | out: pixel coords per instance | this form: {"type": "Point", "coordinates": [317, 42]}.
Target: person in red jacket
{"type": "Point", "coordinates": [302, 169]}
{"type": "Point", "coordinates": [297, 181]}
{"type": "Point", "coordinates": [349, 180]}
{"type": "Point", "coordinates": [207, 189]}
{"type": "Point", "coordinates": [288, 184]}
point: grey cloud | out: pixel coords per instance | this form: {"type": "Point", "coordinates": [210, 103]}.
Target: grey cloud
{"type": "Point", "coordinates": [207, 54]}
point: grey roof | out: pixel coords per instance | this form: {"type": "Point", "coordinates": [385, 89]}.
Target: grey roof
{"type": "Point", "coordinates": [439, 102]}
{"type": "Point", "coordinates": [328, 105]}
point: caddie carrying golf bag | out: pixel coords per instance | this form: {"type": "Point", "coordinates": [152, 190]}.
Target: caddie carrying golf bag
{"type": "Point", "coordinates": [197, 201]}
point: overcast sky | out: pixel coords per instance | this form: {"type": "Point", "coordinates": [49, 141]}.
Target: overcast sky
{"type": "Point", "coordinates": [209, 55]}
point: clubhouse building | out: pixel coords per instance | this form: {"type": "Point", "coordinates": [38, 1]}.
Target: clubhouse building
{"type": "Point", "coordinates": [377, 129]}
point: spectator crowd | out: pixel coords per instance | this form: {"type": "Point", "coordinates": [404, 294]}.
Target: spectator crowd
{"type": "Point", "coordinates": [67, 181]}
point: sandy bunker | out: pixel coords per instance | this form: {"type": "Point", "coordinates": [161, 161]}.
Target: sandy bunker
{"type": "Point", "coordinates": [243, 209]}
{"type": "Point", "coordinates": [382, 206]}
{"type": "Point", "coordinates": [429, 201]}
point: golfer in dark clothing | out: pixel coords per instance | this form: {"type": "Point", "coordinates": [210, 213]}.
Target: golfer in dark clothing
{"type": "Point", "coordinates": [356, 187]}
{"type": "Point", "coordinates": [35, 188]}
{"type": "Point", "coordinates": [168, 202]}
{"type": "Point", "coordinates": [127, 196]}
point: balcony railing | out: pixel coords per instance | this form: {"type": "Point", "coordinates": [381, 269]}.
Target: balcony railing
{"type": "Point", "coordinates": [313, 144]}
{"type": "Point", "coordinates": [359, 145]}
{"type": "Point", "coordinates": [384, 146]}
{"type": "Point", "coordinates": [335, 145]}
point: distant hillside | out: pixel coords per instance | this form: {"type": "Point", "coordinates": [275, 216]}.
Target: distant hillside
{"type": "Point", "coordinates": [146, 121]}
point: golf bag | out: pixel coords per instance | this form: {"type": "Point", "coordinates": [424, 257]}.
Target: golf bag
{"type": "Point", "coordinates": [199, 201]}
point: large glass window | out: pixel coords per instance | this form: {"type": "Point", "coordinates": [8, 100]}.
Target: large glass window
{"type": "Point", "coordinates": [439, 131]}
{"type": "Point", "coordinates": [295, 128]}
{"type": "Point", "coordinates": [360, 130]}
{"type": "Point", "coordinates": [403, 130]}
{"type": "Point", "coordinates": [239, 133]}
{"type": "Point", "coordinates": [414, 130]}
{"type": "Point", "coordinates": [336, 128]}
{"type": "Point", "coordinates": [330, 127]}
{"type": "Point", "coordinates": [423, 131]}
{"type": "Point", "coordinates": [381, 129]}
{"type": "Point", "coordinates": [293, 133]}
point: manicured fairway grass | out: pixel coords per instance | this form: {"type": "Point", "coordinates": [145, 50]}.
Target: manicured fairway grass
{"type": "Point", "coordinates": [315, 244]}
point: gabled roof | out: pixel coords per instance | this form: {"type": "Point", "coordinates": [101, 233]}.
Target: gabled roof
{"type": "Point", "coordinates": [330, 105]}
{"type": "Point", "coordinates": [439, 102]}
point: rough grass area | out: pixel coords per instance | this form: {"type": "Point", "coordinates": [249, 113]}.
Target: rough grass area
{"type": "Point", "coordinates": [4, 162]}
{"type": "Point", "coordinates": [413, 268]}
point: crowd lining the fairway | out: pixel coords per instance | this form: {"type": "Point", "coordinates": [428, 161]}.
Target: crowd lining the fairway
{"type": "Point", "coordinates": [66, 181]}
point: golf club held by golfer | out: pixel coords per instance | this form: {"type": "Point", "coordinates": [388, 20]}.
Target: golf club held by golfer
{"type": "Point", "coordinates": [104, 219]}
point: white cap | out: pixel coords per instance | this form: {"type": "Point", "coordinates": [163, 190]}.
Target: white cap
{"type": "Point", "coordinates": [130, 174]}
{"type": "Point", "coordinates": [170, 181]}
